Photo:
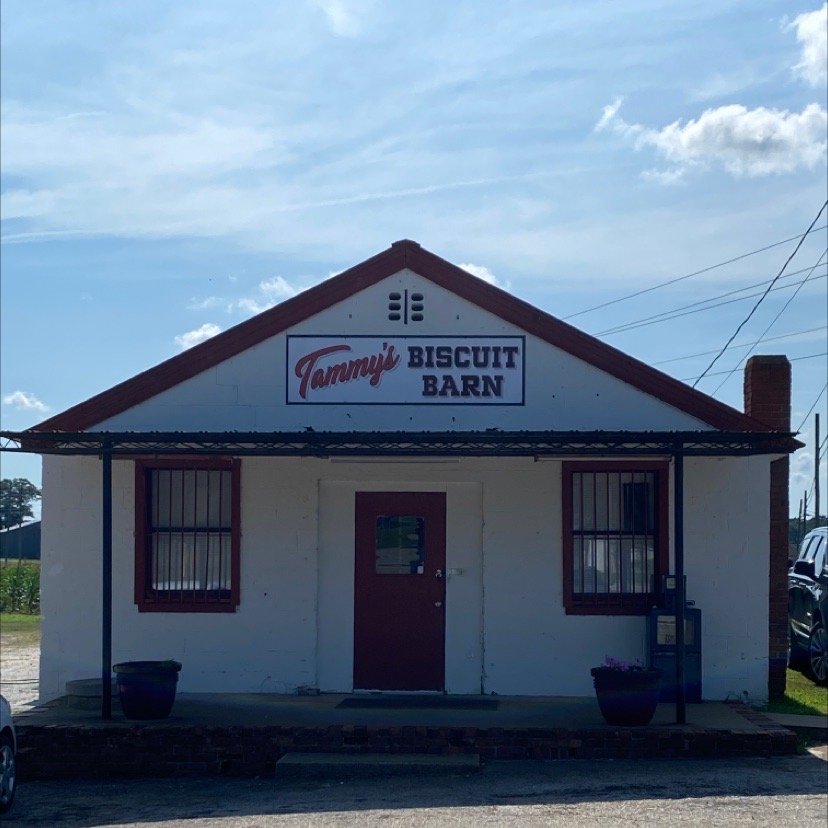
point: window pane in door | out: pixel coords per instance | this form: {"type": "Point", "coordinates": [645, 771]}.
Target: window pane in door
{"type": "Point", "coordinates": [400, 545]}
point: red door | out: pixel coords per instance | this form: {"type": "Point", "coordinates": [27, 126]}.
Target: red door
{"type": "Point", "coordinates": [399, 591]}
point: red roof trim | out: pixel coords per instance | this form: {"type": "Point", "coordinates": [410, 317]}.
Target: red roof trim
{"type": "Point", "coordinates": [402, 254]}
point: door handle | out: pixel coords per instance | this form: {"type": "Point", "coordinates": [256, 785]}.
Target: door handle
{"type": "Point", "coordinates": [438, 603]}
{"type": "Point", "coordinates": [438, 573]}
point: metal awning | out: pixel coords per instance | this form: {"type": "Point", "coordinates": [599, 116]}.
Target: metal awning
{"type": "Point", "coordinates": [490, 443]}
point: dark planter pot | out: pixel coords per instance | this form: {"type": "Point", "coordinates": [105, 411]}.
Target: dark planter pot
{"type": "Point", "coordinates": [146, 688]}
{"type": "Point", "coordinates": [627, 697]}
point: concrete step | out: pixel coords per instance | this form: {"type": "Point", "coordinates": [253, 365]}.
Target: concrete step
{"type": "Point", "coordinates": [351, 765]}
{"type": "Point", "coordinates": [85, 694]}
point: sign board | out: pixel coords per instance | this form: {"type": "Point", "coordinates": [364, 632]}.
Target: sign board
{"type": "Point", "coordinates": [405, 370]}
{"type": "Point", "coordinates": [666, 631]}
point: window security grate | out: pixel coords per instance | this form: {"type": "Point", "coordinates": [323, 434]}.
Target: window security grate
{"type": "Point", "coordinates": [614, 532]}
{"type": "Point", "coordinates": [189, 534]}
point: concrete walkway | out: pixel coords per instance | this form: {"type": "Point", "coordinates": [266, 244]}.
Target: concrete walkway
{"type": "Point", "coordinates": [798, 720]}
{"type": "Point", "coordinates": [268, 709]}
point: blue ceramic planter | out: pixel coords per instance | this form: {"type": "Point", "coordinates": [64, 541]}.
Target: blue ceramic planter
{"type": "Point", "coordinates": [147, 688]}
{"type": "Point", "coordinates": [627, 697]}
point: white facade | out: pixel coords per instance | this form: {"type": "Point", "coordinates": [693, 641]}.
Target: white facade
{"type": "Point", "coordinates": [506, 629]}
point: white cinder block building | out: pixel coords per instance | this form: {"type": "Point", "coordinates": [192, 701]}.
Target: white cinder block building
{"type": "Point", "coordinates": [405, 479]}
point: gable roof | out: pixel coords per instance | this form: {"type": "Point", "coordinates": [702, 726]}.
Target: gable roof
{"type": "Point", "coordinates": [401, 255]}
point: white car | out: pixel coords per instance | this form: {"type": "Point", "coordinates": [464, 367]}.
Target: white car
{"type": "Point", "coordinates": [8, 763]}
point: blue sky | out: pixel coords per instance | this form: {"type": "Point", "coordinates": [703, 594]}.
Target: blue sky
{"type": "Point", "coordinates": [168, 169]}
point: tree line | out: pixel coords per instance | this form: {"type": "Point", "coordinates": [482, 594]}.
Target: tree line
{"type": "Point", "coordinates": [17, 496]}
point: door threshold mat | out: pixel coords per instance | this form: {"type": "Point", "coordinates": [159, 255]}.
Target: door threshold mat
{"type": "Point", "coordinates": [418, 703]}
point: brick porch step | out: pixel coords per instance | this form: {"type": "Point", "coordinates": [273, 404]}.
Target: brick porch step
{"type": "Point", "coordinates": [337, 765]}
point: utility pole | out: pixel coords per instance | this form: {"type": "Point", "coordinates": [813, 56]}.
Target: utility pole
{"type": "Point", "coordinates": [805, 513]}
{"type": "Point", "coordinates": [799, 526]}
{"type": "Point", "coordinates": [816, 468]}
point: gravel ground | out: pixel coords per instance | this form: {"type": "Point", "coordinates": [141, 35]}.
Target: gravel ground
{"type": "Point", "coordinates": [19, 667]}
{"type": "Point", "coordinates": [756, 792]}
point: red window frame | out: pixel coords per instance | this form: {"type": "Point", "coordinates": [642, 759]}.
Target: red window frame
{"type": "Point", "coordinates": [606, 603]}
{"type": "Point", "coordinates": [145, 598]}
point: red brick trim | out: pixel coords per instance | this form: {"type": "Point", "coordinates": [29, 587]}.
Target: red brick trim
{"type": "Point", "coordinates": [767, 398]}
{"type": "Point", "coordinates": [614, 604]}
{"type": "Point", "coordinates": [401, 255]}
{"type": "Point", "coordinates": [144, 599]}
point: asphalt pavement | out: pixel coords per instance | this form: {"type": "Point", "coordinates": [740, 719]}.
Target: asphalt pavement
{"type": "Point", "coordinates": [756, 792]}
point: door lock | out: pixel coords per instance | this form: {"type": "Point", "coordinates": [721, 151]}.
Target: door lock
{"type": "Point", "coordinates": [438, 603]}
{"type": "Point", "coordinates": [438, 573]}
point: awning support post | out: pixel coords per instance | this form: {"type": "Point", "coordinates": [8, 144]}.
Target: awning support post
{"type": "Point", "coordinates": [106, 586]}
{"type": "Point", "coordinates": [681, 597]}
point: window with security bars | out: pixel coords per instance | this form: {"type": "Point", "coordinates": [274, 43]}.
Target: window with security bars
{"type": "Point", "coordinates": [187, 555]}
{"type": "Point", "coordinates": [615, 536]}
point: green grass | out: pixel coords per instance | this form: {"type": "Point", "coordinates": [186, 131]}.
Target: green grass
{"type": "Point", "coordinates": [15, 622]}
{"type": "Point", "coordinates": [17, 630]}
{"type": "Point", "coordinates": [801, 696]}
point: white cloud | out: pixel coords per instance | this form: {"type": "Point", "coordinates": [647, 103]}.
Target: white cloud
{"type": "Point", "coordinates": [174, 145]}
{"type": "Point", "coordinates": [23, 401]}
{"type": "Point", "coordinates": [746, 142]}
{"type": "Point", "coordinates": [268, 293]}
{"type": "Point", "coordinates": [252, 306]}
{"type": "Point", "coordinates": [202, 334]}
{"type": "Point", "coordinates": [208, 303]}
{"type": "Point", "coordinates": [19, 204]}
{"type": "Point", "coordinates": [665, 177]}
{"type": "Point", "coordinates": [811, 33]}
{"type": "Point", "coordinates": [345, 17]}
{"type": "Point", "coordinates": [483, 273]}
{"type": "Point", "coordinates": [277, 289]}
{"type": "Point", "coordinates": [608, 119]}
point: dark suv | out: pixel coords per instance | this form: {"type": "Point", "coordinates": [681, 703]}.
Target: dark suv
{"type": "Point", "coordinates": [808, 606]}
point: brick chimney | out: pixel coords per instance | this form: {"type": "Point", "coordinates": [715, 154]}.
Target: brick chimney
{"type": "Point", "coordinates": [767, 392]}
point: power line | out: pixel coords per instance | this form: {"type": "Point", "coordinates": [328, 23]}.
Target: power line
{"type": "Point", "coordinates": [754, 308]}
{"type": "Point", "coordinates": [772, 323]}
{"type": "Point", "coordinates": [636, 322]}
{"type": "Point", "coordinates": [819, 397]}
{"type": "Point", "coordinates": [792, 359]}
{"type": "Point", "coordinates": [677, 314]}
{"type": "Point", "coordinates": [688, 275]}
{"type": "Point", "coordinates": [741, 345]}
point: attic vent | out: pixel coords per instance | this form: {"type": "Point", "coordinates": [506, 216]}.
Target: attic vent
{"type": "Point", "coordinates": [406, 307]}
